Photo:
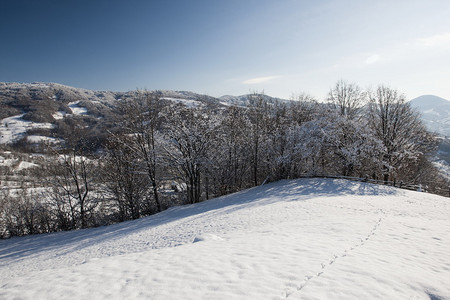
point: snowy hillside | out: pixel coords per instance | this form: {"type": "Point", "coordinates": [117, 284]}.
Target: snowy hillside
{"type": "Point", "coordinates": [25, 107]}
{"type": "Point", "coordinates": [435, 113]}
{"type": "Point", "coordinates": [298, 239]}
{"type": "Point", "coordinates": [13, 128]}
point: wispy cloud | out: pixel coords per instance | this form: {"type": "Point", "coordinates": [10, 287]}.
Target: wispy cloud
{"type": "Point", "coordinates": [410, 50]}
{"type": "Point", "coordinates": [257, 80]}
{"type": "Point", "coordinates": [372, 59]}
{"type": "Point", "coordinates": [437, 40]}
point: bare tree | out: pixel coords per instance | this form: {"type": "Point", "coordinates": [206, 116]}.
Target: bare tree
{"type": "Point", "coordinates": [258, 113]}
{"type": "Point", "coordinates": [71, 181]}
{"type": "Point", "coordinates": [141, 119]}
{"type": "Point", "coordinates": [231, 151]}
{"type": "Point", "coordinates": [303, 108]}
{"type": "Point", "coordinates": [347, 98]}
{"type": "Point", "coordinates": [124, 184]}
{"type": "Point", "coordinates": [70, 178]}
{"type": "Point", "coordinates": [190, 135]}
{"type": "Point", "coordinates": [399, 129]}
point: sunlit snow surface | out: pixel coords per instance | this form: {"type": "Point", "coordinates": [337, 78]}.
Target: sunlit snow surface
{"type": "Point", "coordinates": [185, 102]}
{"type": "Point", "coordinates": [299, 239]}
{"type": "Point", "coordinates": [76, 110]}
{"type": "Point", "coordinates": [59, 115]}
{"type": "Point", "coordinates": [13, 128]}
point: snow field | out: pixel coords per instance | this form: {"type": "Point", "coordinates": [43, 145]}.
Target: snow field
{"type": "Point", "coordinates": [298, 239]}
{"type": "Point", "coordinates": [76, 109]}
{"type": "Point", "coordinates": [185, 102]}
{"type": "Point", "coordinates": [40, 138]}
{"type": "Point", "coordinates": [59, 115]}
{"type": "Point", "coordinates": [13, 128]}
{"type": "Point", "coordinates": [16, 163]}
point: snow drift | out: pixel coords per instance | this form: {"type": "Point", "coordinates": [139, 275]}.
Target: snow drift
{"type": "Point", "coordinates": [297, 239]}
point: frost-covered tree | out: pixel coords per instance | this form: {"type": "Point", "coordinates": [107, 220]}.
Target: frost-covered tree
{"type": "Point", "coordinates": [280, 150]}
{"type": "Point", "coordinates": [258, 134]}
{"type": "Point", "coordinates": [311, 148]}
{"type": "Point", "coordinates": [70, 178]}
{"type": "Point", "coordinates": [231, 151]}
{"type": "Point", "coordinates": [335, 144]}
{"type": "Point", "coordinates": [303, 108]}
{"type": "Point", "coordinates": [286, 157]}
{"type": "Point", "coordinates": [125, 186]}
{"type": "Point", "coordinates": [23, 212]}
{"type": "Point", "coordinates": [354, 147]}
{"type": "Point", "coordinates": [399, 128]}
{"type": "Point", "coordinates": [190, 136]}
{"type": "Point", "coordinates": [347, 98]}
{"type": "Point", "coordinates": [70, 185]}
{"type": "Point", "coordinates": [141, 118]}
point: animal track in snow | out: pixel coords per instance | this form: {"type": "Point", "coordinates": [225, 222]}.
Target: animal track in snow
{"type": "Point", "coordinates": [335, 257]}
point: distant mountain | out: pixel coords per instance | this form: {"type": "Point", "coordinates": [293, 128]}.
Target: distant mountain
{"type": "Point", "coordinates": [40, 101]}
{"type": "Point", "coordinates": [50, 104]}
{"type": "Point", "coordinates": [39, 111]}
{"type": "Point", "coordinates": [435, 113]}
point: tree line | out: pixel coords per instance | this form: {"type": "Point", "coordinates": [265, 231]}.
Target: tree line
{"type": "Point", "coordinates": [160, 155]}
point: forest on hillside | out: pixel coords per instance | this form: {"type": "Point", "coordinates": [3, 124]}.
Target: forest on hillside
{"type": "Point", "coordinates": [157, 155]}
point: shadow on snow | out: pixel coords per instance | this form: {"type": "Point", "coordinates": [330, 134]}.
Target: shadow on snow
{"type": "Point", "coordinates": [18, 248]}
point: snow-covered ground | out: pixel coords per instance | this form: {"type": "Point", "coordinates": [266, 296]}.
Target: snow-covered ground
{"type": "Point", "coordinates": [297, 239]}
{"type": "Point", "coordinates": [13, 128]}
{"type": "Point", "coordinates": [443, 167]}
{"type": "Point", "coordinates": [26, 165]}
{"type": "Point", "coordinates": [59, 115]}
{"type": "Point", "coordinates": [41, 138]}
{"type": "Point", "coordinates": [186, 102]}
{"type": "Point", "coordinates": [76, 109]}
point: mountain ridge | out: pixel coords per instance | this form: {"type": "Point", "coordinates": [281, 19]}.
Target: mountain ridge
{"type": "Point", "coordinates": [41, 101]}
{"type": "Point", "coordinates": [435, 113]}
{"type": "Point", "coordinates": [27, 107]}
{"type": "Point", "coordinates": [14, 95]}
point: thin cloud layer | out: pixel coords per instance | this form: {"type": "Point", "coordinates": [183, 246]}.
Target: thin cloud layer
{"type": "Point", "coordinates": [437, 40]}
{"type": "Point", "coordinates": [373, 59]}
{"type": "Point", "coordinates": [257, 80]}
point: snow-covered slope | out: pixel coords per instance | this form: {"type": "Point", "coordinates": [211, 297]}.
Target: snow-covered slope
{"type": "Point", "coordinates": [435, 113]}
{"type": "Point", "coordinates": [13, 128]}
{"type": "Point", "coordinates": [25, 106]}
{"type": "Point", "coordinates": [298, 239]}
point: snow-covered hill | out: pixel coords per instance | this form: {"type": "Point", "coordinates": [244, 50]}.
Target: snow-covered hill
{"type": "Point", "coordinates": [37, 106]}
{"type": "Point", "coordinates": [435, 113]}
{"type": "Point", "coordinates": [32, 106]}
{"type": "Point", "coordinates": [297, 239]}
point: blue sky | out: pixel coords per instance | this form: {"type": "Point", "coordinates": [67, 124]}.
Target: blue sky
{"type": "Point", "coordinates": [220, 47]}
